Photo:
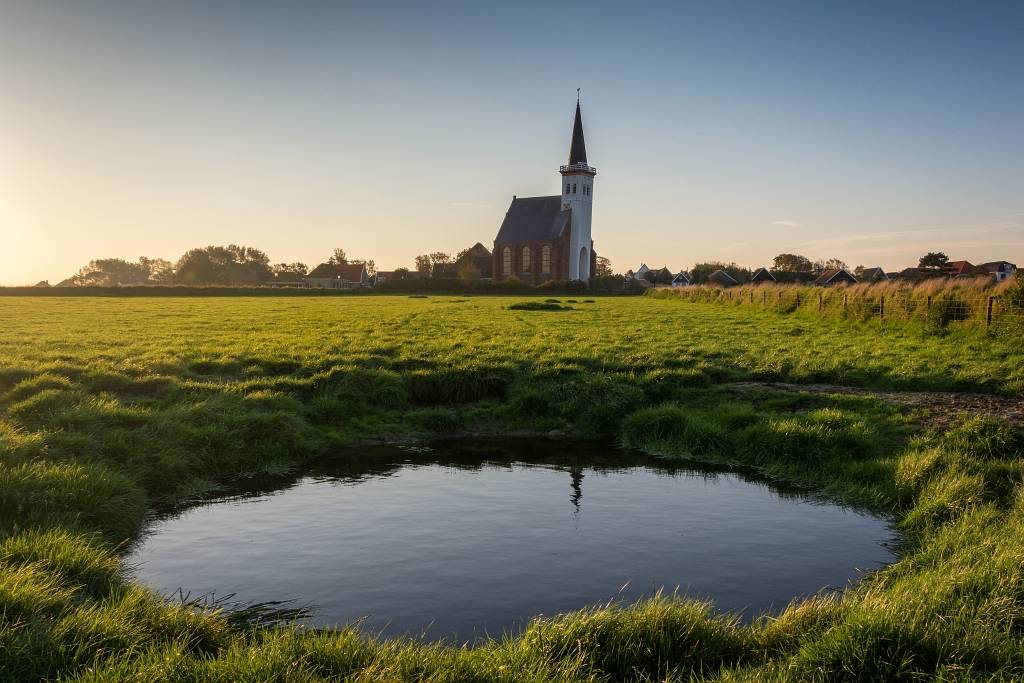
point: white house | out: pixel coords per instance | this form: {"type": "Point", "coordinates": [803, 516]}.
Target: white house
{"type": "Point", "coordinates": [681, 279]}
{"type": "Point", "coordinates": [1000, 270]}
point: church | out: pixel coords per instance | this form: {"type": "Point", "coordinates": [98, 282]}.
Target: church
{"type": "Point", "coordinates": [548, 238]}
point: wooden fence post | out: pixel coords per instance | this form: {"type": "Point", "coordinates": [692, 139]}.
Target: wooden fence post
{"type": "Point", "coordinates": [881, 307]}
{"type": "Point", "coordinates": [929, 303]}
{"type": "Point", "coordinates": [988, 317]}
{"type": "Point", "coordinates": [764, 297]}
{"type": "Point", "coordinates": [821, 302]}
{"type": "Point", "coordinates": [844, 302]}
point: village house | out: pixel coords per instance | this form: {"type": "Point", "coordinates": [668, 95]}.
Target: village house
{"type": "Point", "coordinates": [835, 276]}
{"type": "Point", "coordinates": [916, 274]}
{"type": "Point", "coordinates": [762, 276]}
{"type": "Point", "coordinates": [286, 279]}
{"type": "Point", "coordinates": [661, 276]}
{"type": "Point", "coordinates": [963, 269]}
{"type": "Point", "coordinates": [999, 270]}
{"type": "Point", "coordinates": [721, 278]}
{"type": "Point", "coordinates": [681, 279]}
{"type": "Point", "coordinates": [638, 274]}
{"type": "Point", "coordinates": [872, 275]}
{"type": "Point", "coordinates": [478, 262]}
{"type": "Point", "coordinates": [548, 238]}
{"type": "Point", "coordinates": [339, 276]}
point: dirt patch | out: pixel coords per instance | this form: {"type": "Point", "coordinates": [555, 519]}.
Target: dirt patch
{"type": "Point", "coordinates": [939, 408]}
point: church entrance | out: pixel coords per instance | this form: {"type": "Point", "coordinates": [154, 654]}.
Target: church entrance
{"type": "Point", "coordinates": [584, 267]}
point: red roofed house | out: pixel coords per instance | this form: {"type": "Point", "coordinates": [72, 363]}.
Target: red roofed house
{"type": "Point", "coordinates": [962, 269]}
{"type": "Point", "coordinates": [338, 276]}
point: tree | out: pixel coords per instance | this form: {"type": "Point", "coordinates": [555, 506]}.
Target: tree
{"type": "Point", "coordinates": [230, 265]}
{"type": "Point", "coordinates": [401, 273]}
{"type": "Point", "coordinates": [112, 272]}
{"type": "Point", "coordinates": [933, 259]}
{"type": "Point", "coordinates": [160, 271]}
{"type": "Point", "coordinates": [700, 271]}
{"type": "Point", "coordinates": [371, 267]}
{"type": "Point", "coordinates": [792, 263]}
{"type": "Point", "coordinates": [338, 257]}
{"type": "Point", "coordinates": [205, 266]}
{"type": "Point", "coordinates": [425, 262]}
{"type": "Point", "coordinates": [603, 268]}
{"type": "Point", "coordinates": [296, 267]}
{"type": "Point", "coordinates": [830, 264]}
{"type": "Point", "coordinates": [859, 270]}
{"type": "Point", "coordinates": [249, 266]}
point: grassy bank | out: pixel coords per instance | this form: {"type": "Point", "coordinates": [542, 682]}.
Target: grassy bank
{"type": "Point", "coordinates": [934, 305]}
{"type": "Point", "coordinates": [113, 407]}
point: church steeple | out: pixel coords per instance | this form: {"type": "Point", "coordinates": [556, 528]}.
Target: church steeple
{"type": "Point", "coordinates": [578, 198]}
{"type": "Point", "coordinates": [578, 150]}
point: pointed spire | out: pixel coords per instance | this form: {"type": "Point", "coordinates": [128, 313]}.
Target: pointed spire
{"type": "Point", "coordinates": [578, 150]}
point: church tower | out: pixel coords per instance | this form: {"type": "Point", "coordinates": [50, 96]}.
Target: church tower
{"type": "Point", "coordinates": [578, 196]}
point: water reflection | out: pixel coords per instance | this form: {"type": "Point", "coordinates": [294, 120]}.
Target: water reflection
{"type": "Point", "coordinates": [468, 538]}
{"type": "Point", "coordinates": [576, 474]}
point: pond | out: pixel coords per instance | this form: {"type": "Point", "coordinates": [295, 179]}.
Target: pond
{"type": "Point", "coordinates": [461, 540]}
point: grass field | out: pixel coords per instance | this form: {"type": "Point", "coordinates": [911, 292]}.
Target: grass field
{"type": "Point", "coordinates": [111, 408]}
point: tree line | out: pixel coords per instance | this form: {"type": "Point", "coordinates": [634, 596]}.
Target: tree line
{"type": "Point", "coordinates": [231, 266]}
{"type": "Point", "coordinates": [793, 268]}
{"type": "Point", "coordinates": [242, 266]}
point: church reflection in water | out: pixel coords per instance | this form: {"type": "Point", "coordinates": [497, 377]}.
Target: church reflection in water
{"type": "Point", "coordinates": [576, 474]}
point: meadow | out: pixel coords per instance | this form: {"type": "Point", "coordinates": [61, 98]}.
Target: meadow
{"type": "Point", "coordinates": [113, 408]}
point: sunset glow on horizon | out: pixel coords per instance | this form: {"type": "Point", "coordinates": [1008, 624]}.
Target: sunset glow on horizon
{"type": "Point", "coordinates": [871, 133]}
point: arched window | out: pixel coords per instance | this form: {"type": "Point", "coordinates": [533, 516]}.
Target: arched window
{"type": "Point", "coordinates": [574, 188]}
{"type": "Point", "coordinates": [567, 188]}
{"type": "Point", "coordinates": [545, 259]}
{"type": "Point", "coordinates": [526, 259]}
{"type": "Point", "coordinates": [506, 261]}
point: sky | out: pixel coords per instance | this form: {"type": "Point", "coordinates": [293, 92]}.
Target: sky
{"type": "Point", "coordinates": [868, 132]}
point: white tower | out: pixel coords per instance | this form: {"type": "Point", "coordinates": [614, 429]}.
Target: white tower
{"type": "Point", "coordinates": [578, 195]}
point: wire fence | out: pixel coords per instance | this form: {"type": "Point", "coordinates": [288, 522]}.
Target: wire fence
{"type": "Point", "coordinates": [939, 310]}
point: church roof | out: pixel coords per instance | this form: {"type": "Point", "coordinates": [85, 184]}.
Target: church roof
{"type": "Point", "coordinates": [533, 219]}
{"type": "Point", "coordinates": [578, 150]}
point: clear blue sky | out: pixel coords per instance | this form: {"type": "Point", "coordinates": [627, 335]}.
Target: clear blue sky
{"type": "Point", "coordinates": [734, 131]}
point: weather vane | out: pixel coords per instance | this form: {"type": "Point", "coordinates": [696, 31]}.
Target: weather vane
{"type": "Point", "coordinates": [577, 95]}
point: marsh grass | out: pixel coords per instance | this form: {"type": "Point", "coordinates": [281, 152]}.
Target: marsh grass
{"type": "Point", "coordinates": [932, 305]}
{"type": "Point", "coordinates": [113, 408]}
